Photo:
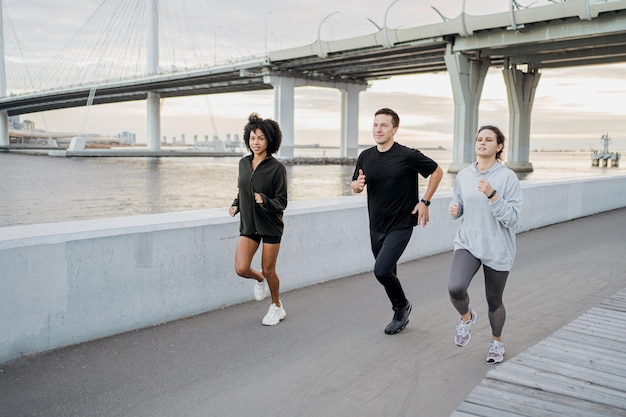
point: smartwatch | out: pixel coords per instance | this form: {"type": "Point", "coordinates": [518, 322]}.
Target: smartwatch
{"type": "Point", "coordinates": [426, 202]}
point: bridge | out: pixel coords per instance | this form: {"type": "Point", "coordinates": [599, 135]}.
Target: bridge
{"type": "Point", "coordinates": [521, 41]}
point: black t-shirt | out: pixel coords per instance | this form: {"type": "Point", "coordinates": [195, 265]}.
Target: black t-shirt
{"type": "Point", "coordinates": [391, 179]}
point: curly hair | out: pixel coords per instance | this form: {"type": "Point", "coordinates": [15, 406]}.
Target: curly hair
{"type": "Point", "coordinates": [270, 129]}
{"type": "Point", "coordinates": [499, 137]}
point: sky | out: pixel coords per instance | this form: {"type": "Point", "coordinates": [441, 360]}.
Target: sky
{"type": "Point", "coordinates": [573, 107]}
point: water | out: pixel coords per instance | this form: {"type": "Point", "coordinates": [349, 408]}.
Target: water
{"type": "Point", "coordinates": [43, 189]}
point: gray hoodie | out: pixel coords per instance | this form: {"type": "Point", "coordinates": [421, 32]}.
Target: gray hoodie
{"type": "Point", "coordinates": [488, 229]}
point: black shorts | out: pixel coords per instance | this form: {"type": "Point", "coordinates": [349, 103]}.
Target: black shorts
{"type": "Point", "coordinates": [266, 239]}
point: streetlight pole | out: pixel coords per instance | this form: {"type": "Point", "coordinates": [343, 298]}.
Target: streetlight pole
{"type": "Point", "coordinates": [463, 20]}
{"type": "Point", "coordinates": [387, 44]}
{"type": "Point", "coordinates": [321, 53]}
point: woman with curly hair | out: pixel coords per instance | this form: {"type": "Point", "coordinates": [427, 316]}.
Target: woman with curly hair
{"type": "Point", "coordinates": [261, 200]}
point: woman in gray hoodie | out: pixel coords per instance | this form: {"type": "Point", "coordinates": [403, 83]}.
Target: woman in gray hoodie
{"type": "Point", "coordinates": [488, 200]}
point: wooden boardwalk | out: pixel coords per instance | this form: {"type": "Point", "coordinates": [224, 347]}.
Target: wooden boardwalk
{"type": "Point", "coordinates": [578, 371]}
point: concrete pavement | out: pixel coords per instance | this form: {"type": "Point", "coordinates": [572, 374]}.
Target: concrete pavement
{"type": "Point", "coordinates": [330, 356]}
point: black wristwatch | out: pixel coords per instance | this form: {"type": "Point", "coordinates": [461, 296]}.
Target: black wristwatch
{"type": "Point", "coordinates": [426, 202]}
{"type": "Point", "coordinates": [492, 194]}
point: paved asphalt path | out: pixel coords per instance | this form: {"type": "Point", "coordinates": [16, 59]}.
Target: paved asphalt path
{"type": "Point", "coordinates": [330, 356]}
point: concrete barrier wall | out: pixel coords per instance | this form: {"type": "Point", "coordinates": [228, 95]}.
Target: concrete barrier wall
{"type": "Point", "coordinates": [66, 283]}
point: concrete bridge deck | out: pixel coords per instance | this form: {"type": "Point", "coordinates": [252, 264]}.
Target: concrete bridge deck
{"type": "Point", "coordinates": [329, 357]}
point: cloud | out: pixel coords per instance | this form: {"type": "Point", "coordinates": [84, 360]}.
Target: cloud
{"type": "Point", "coordinates": [570, 103]}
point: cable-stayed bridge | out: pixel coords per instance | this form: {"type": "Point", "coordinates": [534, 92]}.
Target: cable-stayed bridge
{"type": "Point", "coordinates": [522, 41]}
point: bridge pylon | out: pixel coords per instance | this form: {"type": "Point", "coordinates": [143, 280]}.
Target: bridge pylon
{"type": "Point", "coordinates": [521, 87]}
{"type": "Point", "coordinates": [284, 88]}
{"type": "Point", "coordinates": [467, 76]}
{"type": "Point", "coordinates": [4, 116]}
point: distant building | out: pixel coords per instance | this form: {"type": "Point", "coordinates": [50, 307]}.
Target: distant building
{"type": "Point", "coordinates": [14, 122]}
{"type": "Point", "coordinates": [126, 138]}
{"type": "Point", "coordinates": [28, 125]}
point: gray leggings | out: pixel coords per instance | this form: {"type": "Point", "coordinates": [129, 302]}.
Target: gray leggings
{"type": "Point", "coordinates": [464, 267]}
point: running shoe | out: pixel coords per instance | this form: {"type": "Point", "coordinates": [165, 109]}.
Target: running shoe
{"type": "Point", "coordinates": [463, 330]}
{"type": "Point", "coordinates": [400, 319]}
{"type": "Point", "coordinates": [261, 290]}
{"type": "Point", "coordinates": [274, 315]}
{"type": "Point", "coordinates": [496, 352]}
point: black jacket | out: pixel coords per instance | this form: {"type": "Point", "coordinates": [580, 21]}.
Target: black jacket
{"type": "Point", "coordinates": [270, 180]}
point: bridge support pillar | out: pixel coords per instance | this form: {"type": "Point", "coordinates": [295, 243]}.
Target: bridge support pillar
{"type": "Point", "coordinates": [4, 116]}
{"type": "Point", "coordinates": [349, 147]}
{"type": "Point", "coordinates": [284, 90]}
{"type": "Point", "coordinates": [154, 98]}
{"type": "Point", "coordinates": [467, 76]}
{"type": "Point", "coordinates": [521, 87]}
{"type": "Point", "coordinates": [4, 128]}
{"type": "Point", "coordinates": [154, 121]}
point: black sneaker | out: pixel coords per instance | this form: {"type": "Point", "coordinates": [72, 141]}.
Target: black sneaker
{"type": "Point", "coordinates": [400, 319]}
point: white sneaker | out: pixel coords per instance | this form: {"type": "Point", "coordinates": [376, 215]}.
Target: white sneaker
{"type": "Point", "coordinates": [496, 352]}
{"type": "Point", "coordinates": [463, 330]}
{"type": "Point", "coordinates": [261, 290]}
{"type": "Point", "coordinates": [274, 315]}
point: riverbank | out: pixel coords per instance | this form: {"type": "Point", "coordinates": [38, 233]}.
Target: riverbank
{"type": "Point", "coordinates": [307, 160]}
{"type": "Point", "coordinates": [46, 189]}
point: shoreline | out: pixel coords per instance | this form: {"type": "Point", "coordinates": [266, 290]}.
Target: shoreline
{"type": "Point", "coordinates": [312, 160]}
